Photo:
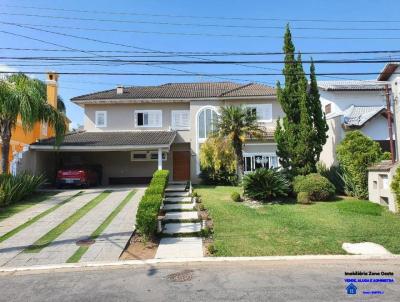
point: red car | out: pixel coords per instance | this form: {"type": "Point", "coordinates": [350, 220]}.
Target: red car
{"type": "Point", "coordinates": [78, 176]}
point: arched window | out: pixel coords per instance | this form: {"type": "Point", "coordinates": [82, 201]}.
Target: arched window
{"type": "Point", "coordinates": [206, 122]}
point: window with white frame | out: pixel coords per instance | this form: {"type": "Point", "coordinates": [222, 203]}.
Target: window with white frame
{"type": "Point", "coordinates": [148, 118]}
{"type": "Point", "coordinates": [263, 111]}
{"type": "Point", "coordinates": [253, 161]}
{"type": "Point", "coordinates": [101, 119]}
{"type": "Point", "coordinates": [206, 123]}
{"type": "Point", "coordinates": [180, 119]}
{"type": "Point", "coordinates": [147, 155]}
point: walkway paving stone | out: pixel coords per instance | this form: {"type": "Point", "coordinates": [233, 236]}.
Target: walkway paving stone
{"type": "Point", "coordinates": [65, 245]}
{"type": "Point", "coordinates": [110, 244]}
{"type": "Point", "coordinates": [17, 219]}
{"type": "Point", "coordinates": [14, 245]}
{"type": "Point", "coordinates": [184, 247]}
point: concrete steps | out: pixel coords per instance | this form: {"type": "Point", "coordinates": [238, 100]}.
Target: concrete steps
{"type": "Point", "coordinates": [184, 199]}
{"type": "Point", "coordinates": [179, 207]}
{"type": "Point", "coordinates": [181, 225]}
{"type": "Point", "coordinates": [182, 216]}
{"type": "Point", "coordinates": [182, 228]}
{"type": "Point", "coordinates": [177, 194]}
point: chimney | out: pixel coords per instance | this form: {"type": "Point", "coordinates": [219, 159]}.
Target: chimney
{"type": "Point", "coordinates": [120, 89]}
{"type": "Point", "coordinates": [52, 88]}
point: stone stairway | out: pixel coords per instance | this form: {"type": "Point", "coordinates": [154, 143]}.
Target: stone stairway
{"type": "Point", "coordinates": [181, 225]}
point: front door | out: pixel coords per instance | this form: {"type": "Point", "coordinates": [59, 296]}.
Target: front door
{"type": "Point", "coordinates": [181, 165]}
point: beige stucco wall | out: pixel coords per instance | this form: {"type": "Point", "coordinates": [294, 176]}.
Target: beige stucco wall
{"type": "Point", "coordinates": [335, 136]}
{"type": "Point", "coordinates": [377, 192]}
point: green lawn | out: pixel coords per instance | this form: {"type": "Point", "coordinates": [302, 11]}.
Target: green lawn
{"type": "Point", "coordinates": [12, 209]}
{"type": "Point", "coordinates": [293, 229]}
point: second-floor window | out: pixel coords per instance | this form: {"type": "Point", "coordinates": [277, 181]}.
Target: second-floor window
{"type": "Point", "coordinates": [148, 118]}
{"type": "Point", "coordinates": [101, 119]}
{"type": "Point", "coordinates": [206, 122]}
{"type": "Point", "coordinates": [180, 119]}
{"type": "Point", "coordinates": [263, 112]}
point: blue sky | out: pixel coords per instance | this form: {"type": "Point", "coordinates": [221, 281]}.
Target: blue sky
{"type": "Point", "coordinates": [71, 86]}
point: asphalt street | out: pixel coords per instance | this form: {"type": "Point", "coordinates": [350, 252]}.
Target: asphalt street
{"type": "Point", "coordinates": [306, 280]}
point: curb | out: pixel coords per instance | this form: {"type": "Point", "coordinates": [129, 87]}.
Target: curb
{"type": "Point", "coordinates": [193, 260]}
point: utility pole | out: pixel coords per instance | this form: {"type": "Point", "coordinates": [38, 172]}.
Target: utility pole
{"type": "Point", "coordinates": [389, 119]}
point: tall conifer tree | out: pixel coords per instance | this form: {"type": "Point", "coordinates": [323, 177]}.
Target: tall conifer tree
{"type": "Point", "coordinates": [302, 132]}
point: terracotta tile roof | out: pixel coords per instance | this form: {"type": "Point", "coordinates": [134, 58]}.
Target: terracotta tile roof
{"type": "Point", "coordinates": [118, 138]}
{"type": "Point", "coordinates": [180, 91]}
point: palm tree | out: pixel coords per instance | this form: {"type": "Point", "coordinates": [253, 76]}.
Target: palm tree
{"type": "Point", "coordinates": [238, 123]}
{"type": "Point", "coordinates": [24, 99]}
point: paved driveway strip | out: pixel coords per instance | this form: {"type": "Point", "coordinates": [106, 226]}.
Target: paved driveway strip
{"type": "Point", "coordinates": [110, 244]}
{"type": "Point", "coordinates": [17, 219]}
{"type": "Point", "coordinates": [65, 245]}
{"type": "Point", "coordinates": [11, 247]}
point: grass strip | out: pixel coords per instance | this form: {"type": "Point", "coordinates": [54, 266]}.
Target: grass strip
{"type": "Point", "coordinates": [10, 210]}
{"type": "Point", "coordinates": [82, 249]}
{"type": "Point", "coordinates": [50, 236]}
{"type": "Point", "coordinates": [36, 218]}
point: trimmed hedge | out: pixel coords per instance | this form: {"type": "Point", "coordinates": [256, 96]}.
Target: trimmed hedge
{"type": "Point", "coordinates": [149, 205]}
{"type": "Point", "coordinates": [315, 185]}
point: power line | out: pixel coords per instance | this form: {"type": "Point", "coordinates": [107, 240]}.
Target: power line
{"type": "Point", "coordinates": [209, 25]}
{"type": "Point", "coordinates": [205, 17]}
{"type": "Point", "coordinates": [198, 74]}
{"type": "Point", "coordinates": [99, 41]}
{"type": "Point", "coordinates": [209, 62]}
{"type": "Point", "coordinates": [206, 34]}
{"type": "Point", "coordinates": [207, 53]}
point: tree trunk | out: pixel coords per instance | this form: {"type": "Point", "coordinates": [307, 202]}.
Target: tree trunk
{"type": "Point", "coordinates": [239, 160]}
{"type": "Point", "coordinates": [5, 147]}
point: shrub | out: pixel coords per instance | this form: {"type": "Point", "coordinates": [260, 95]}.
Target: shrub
{"type": "Point", "coordinates": [149, 205]}
{"type": "Point", "coordinates": [303, 198]}
{"type": "Point", "coordinates": [334, 174]}
{"type": "Point", "coordinates": [218, 162]}
{"type": "Point", "coordinates": [316, 186]}
{"type": "Point", "coordinates": [15, 188]}
{"type": "Point", "coordinates": [355, 154]}
{"type": "Point", "coordinates": [395, 186]}
{"type": "Point", "coordinates": [235, 196]}
{"type": "Point", "coordinates": [265, 184]}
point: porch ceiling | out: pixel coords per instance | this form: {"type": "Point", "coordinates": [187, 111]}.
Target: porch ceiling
{"type": "Point", "coordinates": [109, 141]}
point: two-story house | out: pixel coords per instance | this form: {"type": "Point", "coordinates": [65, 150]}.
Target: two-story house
{"type": "Point", "coordinates": [351, 105]}
{"type": "Point", "coordinates": [132, 131]}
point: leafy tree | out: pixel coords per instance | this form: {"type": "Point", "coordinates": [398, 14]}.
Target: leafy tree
{"type": "Point", "coordinates": [355, 154]}
{"type": "Point", "coordinates": [24, 99]}
{"type": "Point", "coordinates": [301, 133]}
{"type": "Point", "coordinates": [218, 161]}
{"type": "Point", "coordinates": [236, 123]}
{"type": "Point", "coordinates": [395, 186]}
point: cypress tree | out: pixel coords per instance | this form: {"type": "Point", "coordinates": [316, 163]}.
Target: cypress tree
{"type": "Point", "coordinates": [302, 132]}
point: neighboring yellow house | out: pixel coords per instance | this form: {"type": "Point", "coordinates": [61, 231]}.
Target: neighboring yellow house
{"type": "Point", "coordinates": [19, 137]}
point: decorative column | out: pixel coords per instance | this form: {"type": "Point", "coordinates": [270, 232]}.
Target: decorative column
{"type": "Point", "coordinates": [159, 159]}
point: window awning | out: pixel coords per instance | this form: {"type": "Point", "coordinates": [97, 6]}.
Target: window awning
{"type": "Point", "coordinates": [109, 141]}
